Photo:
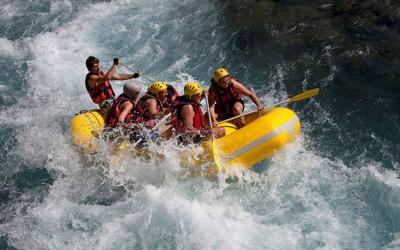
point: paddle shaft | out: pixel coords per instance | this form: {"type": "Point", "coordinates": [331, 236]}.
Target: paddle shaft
{"type": "Point", "coordinates": [209, 115]}
{"type": "Point", "coordinates": [214, 149]}
{"type": "Point", "coordinates": [295, 98]}
{"type": "Point", "coordinates": [123, 65]}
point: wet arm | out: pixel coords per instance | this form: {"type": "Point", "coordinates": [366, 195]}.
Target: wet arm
{"type": "Point", "coordinates": [187, 113]}
{"type": "Point", "coordinates": [152, 107]}
{"type": "Point", "coordinates": [95, 80]}
{"type": "Point", "coordinates": [245, 91]}
{"type": "Point", "coordinates": [126, 108]}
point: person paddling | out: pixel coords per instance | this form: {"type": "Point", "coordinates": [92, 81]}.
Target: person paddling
{"type": "Point", "coordinates": [120, 111]}
{"type": "Point", "coordinates": [98, 83]}
{"type": "Point", "coordinates": [225, 97]}
{"type": "Point", "coordinates": [189, 119]}
{"type": "Point", "coordinates": [150, 106]}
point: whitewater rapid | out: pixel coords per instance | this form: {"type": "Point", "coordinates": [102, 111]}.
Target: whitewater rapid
{"type": "Point", "coordinates": [59, 199]}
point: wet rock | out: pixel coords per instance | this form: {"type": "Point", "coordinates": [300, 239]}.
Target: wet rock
{"type": "Point", "coordinates": [364, 35]}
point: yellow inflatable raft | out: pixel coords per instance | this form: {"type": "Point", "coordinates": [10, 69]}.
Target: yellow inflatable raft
{"type": "Point", "coordinates": [85, 127]}
{"type": "Point", "coordinates": [263, 135]}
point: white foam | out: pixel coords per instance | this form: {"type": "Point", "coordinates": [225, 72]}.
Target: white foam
{"type": "Point", "coordinates": [387, 177]}
{"type": "Point", "coordinates": [9, 49]}
{"type": "Point", "coordinates": [394, 244]}
{"type": "Point", "coordinates": [3, 87]}
{"type": "Point", "coordinates": [299, 202]}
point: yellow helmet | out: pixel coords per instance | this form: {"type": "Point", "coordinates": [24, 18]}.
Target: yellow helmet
{"type": "Point", "coordinates": [156, 87]}
{"type": "Point", "coordinates": [220, 73]}
{"type": "Point", "coordinates": [192, 88]}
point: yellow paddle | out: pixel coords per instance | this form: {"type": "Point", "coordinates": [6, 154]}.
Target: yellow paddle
{"type": "Point", "coordinates": [214, 147]}
{"type": "Point", "coordinates": [299, 97]}
{"type": "Point", "coordinates": [303, 95]}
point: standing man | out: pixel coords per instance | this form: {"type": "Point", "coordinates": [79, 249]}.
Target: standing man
{"type": "Point", "coordinates": [98, 83]}
{"type": "Point", "coordinates": [225, 97]}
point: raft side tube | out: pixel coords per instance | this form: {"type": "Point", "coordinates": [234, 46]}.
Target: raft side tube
{"type": "Point", "coordinates": [259, 139]}
{"type": "Point", "coordinates": [85, 127]}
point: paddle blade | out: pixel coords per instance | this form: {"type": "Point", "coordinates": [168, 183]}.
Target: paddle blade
{"type": "Point", "coordinates": [215, 154]}
{"type": "Point", "coordinates": [303, 95]}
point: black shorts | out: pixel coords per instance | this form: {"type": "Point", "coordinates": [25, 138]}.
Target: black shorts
{"type": "Point", "coordinates": [226, 110]}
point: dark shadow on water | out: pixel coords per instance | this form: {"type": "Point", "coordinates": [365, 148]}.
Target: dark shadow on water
{"type": "Point", "coordinates": [259, 168]}
{"type": "Point", "coordinates": [4, 244]}
{"type": "Point", "coordinates": [106, 195]}
{"type": "Point", "coordinates": [32, 178]}
{"type": "Point", "coordinates": [262, 166]}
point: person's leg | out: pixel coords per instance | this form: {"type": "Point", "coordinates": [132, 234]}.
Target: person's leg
{"type": "Point", "coordinates": [237, 109]}
{"type": "Point", "coordinates": [219, 113]}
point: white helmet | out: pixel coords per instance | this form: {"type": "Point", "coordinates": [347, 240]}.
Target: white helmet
{"type": "Point", "coordinates": [131, 90]}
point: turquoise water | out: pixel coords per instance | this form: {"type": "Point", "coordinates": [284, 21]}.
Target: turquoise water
{"type": "Point", "coordinates": [335, 187]}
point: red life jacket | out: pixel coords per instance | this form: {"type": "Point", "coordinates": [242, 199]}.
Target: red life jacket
{"type": "Point", "coordinates": [101, 92]}
{"type": "Point", "coordinates": [177, 120]}
{"type": "Point", "coordinates": [226, 96]}
{"type": "Point", "coordinates": [140, 114]}
{"type": "Point", "coordinates": [115, 111]}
